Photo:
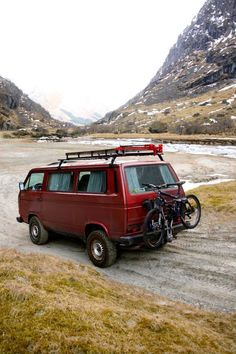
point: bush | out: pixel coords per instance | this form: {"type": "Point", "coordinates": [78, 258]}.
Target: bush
{"type": "Point", "coordinates": [38, 132]}
{"type": "Point", "coordinates": [61, 133]}
{"type": "Point", "coordinates": [20, 133]}
{"type": "Point", "coordinates": [77, 131]}
{"type": "Point", "coordinates": [158, 127]}
{"type": "Point", "coordinates": [7, 136]}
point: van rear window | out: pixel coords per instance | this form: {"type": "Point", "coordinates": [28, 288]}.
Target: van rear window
{"type": "Point", "coordinates": [154, 174]}
{"type": "Point", "coordinates": [60, 182]}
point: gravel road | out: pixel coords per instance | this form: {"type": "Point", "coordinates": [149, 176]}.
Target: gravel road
{"type": "Point", "coordinates": [198, 268]}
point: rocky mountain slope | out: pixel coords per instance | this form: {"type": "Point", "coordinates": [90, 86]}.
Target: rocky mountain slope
{"type": "Point", "coordinates": [196, 86]}
{"type": "Point", "coordinates": [18, 111]}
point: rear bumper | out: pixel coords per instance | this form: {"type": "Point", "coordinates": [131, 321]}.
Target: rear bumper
{"type": "Point", "coordinates": [136, 239]}
{"type": "Point", "coordinates": [131, 240]}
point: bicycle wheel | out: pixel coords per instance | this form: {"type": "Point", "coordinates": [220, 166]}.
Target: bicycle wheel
{"type": "Point", "coordinates": [191, 212]}
{"type": "Point", "coordinates": [153, 229]}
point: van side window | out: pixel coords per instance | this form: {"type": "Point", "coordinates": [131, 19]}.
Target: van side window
{"type": "Point", "coordinates": [35, 181]}
{"type": "Point", "coordinates": [92, 182]}
{"type": "Point", "coordinates": [60, 182]}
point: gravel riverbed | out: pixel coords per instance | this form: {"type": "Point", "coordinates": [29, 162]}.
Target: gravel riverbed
{"type": "Point", "coordinates": [199, 267]}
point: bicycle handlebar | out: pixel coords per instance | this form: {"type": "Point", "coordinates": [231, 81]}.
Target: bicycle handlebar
{"type": "Point", "coordinates": [179, 183]}
{"type": "Point", "coordinates": [159, 187]}
{"type": "Point", "coordinates": [166, 185]}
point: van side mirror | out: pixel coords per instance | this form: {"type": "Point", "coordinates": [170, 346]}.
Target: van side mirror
{"type": "Point", "coordinates": [21, 186]}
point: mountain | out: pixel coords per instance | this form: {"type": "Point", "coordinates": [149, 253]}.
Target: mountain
{"type": "Point", "coordinates": [57, 104]}
{"type": "Point", "coordinates": [196, 84]}
{"type": "Point", "coordinates": [18, 111]}
{"type": "Point", "coordinates": [66, 115]}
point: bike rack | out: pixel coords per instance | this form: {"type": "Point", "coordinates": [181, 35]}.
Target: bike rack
{"type": "Point", "coordinates": [120, 151]}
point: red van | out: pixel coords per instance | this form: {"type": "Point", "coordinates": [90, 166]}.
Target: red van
{"type": "Point", "coordinates": [96, 195]}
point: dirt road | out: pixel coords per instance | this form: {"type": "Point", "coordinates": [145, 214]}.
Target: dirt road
{"type": "Point", "coordinates": [198, 268]}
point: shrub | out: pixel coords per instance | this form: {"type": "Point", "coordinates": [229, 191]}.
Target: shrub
{"type": "Point", "coordinates": [7, 136]}
{"type": "Point", "coordinates": [20, 133]}
{"type": "Point", "coordinates": [158, 127]}
{"type": "Point", "coordinates": [77, 131]}
{"type": "Point", "coordinates": [61, 133]}
{"type": "Point", "coordinates": [38, 132]}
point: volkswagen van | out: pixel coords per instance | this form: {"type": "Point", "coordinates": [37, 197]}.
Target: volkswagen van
{"type": "Point", "coordinates": [97, 196]}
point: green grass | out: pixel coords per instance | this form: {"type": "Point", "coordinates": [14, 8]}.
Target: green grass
{"type": "Point", "coordinates": [52, 306]}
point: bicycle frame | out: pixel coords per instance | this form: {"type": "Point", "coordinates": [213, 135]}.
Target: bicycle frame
{"type": "Point", "coordinates": [161, 205]}
{"type": "Point", "coordinates": [163, 213]}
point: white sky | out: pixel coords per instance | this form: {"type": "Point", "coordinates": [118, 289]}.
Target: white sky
{"type": "Point", "coordinates": [89, 53]}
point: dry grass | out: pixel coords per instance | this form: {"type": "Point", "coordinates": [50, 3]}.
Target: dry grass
{"type": "Point", "coordinates": [220, 198]}
{"type": "Point", "coordinates": [162, 136]}
{"type": "Point", "coordinates": [52, 306]}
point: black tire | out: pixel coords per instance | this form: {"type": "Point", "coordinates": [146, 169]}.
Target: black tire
{"type": "Point", "coordinates": [153, 229]}
{"type": "Point", "coordinates": [38, 234]}
{"type": "Point", "coordinates": [191, 212]}
{"type": "Point", "coordinates": [101, 251]}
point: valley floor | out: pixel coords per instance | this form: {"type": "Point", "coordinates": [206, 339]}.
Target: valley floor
{"type": "Point", "coordinates": [197, 268]}
{"type": "Point", "coordinates": [220, 139]}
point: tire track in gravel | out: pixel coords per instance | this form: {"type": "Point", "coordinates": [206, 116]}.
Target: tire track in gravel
{"type": "Point", "coordinates": [193, 268]}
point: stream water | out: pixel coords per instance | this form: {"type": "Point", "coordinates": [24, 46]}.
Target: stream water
{"type": "Point", "coordinates": [218, 150]}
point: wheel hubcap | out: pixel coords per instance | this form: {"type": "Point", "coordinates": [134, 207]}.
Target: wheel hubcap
{"type": "Point", "coordinates": [97, 250]}
{"type": "Point", "coordinates": [35, 231]}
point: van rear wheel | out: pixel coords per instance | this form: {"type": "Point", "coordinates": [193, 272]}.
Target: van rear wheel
{"type": "Point", "coordinates": [101, 251]}
{"type": "Point", "coordinates": [38, 234]}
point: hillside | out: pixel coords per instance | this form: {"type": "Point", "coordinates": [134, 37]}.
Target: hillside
{"type": "Point", "coordinates": [51, 305]}
{"type": "Point", "coordinates": [18, 111]}
{"type": "Point", "coordinates": [195, 87]}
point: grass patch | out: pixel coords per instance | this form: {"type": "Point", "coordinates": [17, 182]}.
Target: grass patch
{"type": "Point", "coordinates": [218, 198]}
{"type": "Point", "coordinates": [165, 137]}
{"type": "Point", "coordinates": [50, 305]}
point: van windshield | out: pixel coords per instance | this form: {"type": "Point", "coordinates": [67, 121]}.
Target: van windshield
{"type": "Point", "coordinates": [154, 174]}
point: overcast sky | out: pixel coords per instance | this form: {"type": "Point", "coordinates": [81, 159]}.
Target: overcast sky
{"type": "Point", "coordinates": [89, 53]}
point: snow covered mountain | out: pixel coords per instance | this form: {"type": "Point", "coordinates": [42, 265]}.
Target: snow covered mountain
{"type": "Point", "coordinates": [189, 88]}
{"type": "Point", "coordinates": [205, 54]}
{"type": "Point", "coordinates": [56, 104]}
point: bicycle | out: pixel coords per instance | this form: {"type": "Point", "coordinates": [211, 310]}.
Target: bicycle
{"type": "Point", "coordinates": [159, 222]}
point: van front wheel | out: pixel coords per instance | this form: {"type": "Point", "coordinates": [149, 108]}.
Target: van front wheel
{"type": "Point", "coordinates": [101, 251]}
{"type": "Point", "coordinates": [38, 234]}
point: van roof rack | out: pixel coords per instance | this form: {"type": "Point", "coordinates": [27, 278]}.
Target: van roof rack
{"type": "Point", "coordinates": [124, 150]}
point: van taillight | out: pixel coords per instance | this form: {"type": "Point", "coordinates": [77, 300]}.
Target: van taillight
{"type": "Point", "coordinates": [134, 228]}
